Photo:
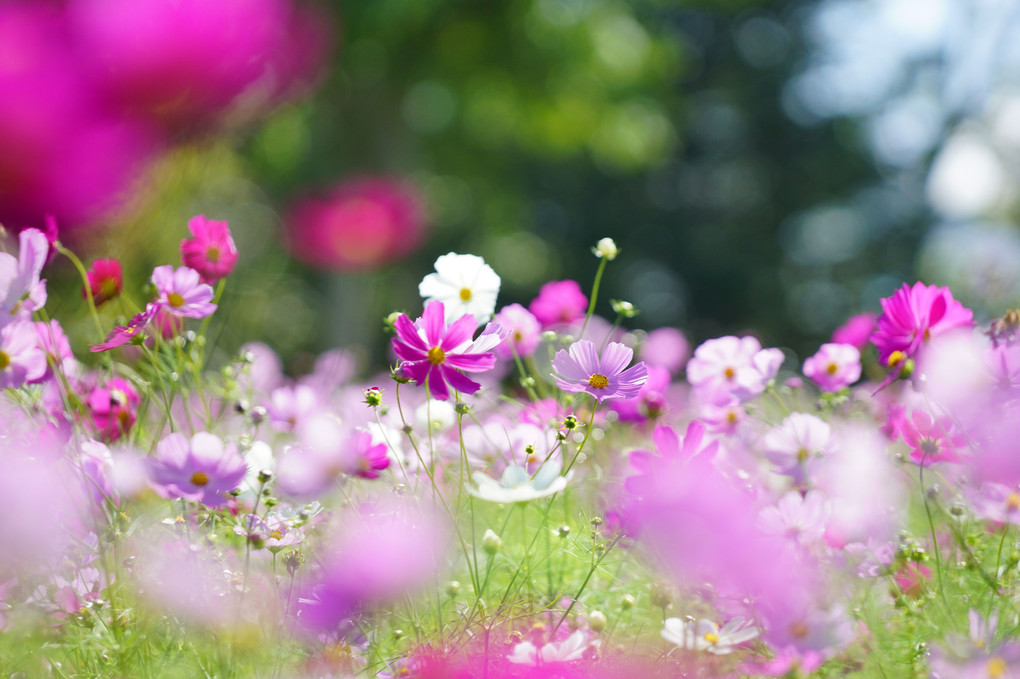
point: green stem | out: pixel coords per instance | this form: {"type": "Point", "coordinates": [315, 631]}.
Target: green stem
{"type": "Point", "coordinates": [594, 294]}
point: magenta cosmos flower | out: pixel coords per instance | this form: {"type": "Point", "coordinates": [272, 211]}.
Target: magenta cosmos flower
{"type": "Point", "coordinates": [559, 302]}
{"type": "Point", "coordinates": [211, 250]}
{"type": "Point", "coordinates": [436, 352]}
{"type": "Point", "coordinates": [201, 470]}
{"type": "Point", "coordinates": [913, 315]}
{"type": "Point", "coordinates": [182, 293]}
{"type": "Point", "coordinates": [580, 369]}
{"type": "Point", "coordinates": [106, 280]}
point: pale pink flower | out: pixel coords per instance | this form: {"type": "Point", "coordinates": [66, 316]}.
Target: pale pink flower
{"type": "Point", "coordinates": [834, 366]}
{"type": "Point", "coordinates": [933, 439]}
{"type": "Point", "coordinates": [794, 445]}
{"type": "Point", "coordinates": [182, 293]}
{"type": "Point", "coordinates": [799, 518]}
{"type": "Point", "coordinates": [21, 359]}
{"type": "Point", "coordinates": [525, 331]}
{"type": "Point", "coordinates": [733, 365]}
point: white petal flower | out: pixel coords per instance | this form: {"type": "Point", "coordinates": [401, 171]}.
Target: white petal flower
{"type": "Point", "coordinates": [465, 284]}
{"type": "Point", "coordinates": [705, 635]}
{"type": "Point", "coordinates": [517, 486]}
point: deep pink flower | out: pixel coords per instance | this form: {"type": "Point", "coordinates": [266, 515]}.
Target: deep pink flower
{"type": "Point", "coordinates": [366, 458]}
{"type": "Point", "coordinates": [113, 408]}
{"type": "Point", "coordinates": [106, 280]}
{"type": "Point", "coordinates": [913, 315]}
{"type": "Point", "coordinates": [360, 224]}
{"type": "Point", "coordinates": [201, 469]}
{"type": "Point", "coordinates": [834, 366]}
{"type": "Point", "coordinates": [855, 331]}
{"type": "Point", "coordinates": [579, 369]}
{"type": "Point", "coordinates": [671, 452]}
{"type": "Point", "coordinates": [435, 352]}
{"type": "Point", "coordinates": [559, 302]}
{"type": "Point", "coordinates": [182, 293]}
{"type": "Point", "coordinates": [122, 334]}
{"type": "Point", "coordinates": [21, 359]}
{"type": "Point", "coordinates": [912, 578]}
{"type": "Point", "coordinates": [650, 402]}
{"type": "Point", "coordinates": [211, 250]}
{"type": "Point", "coordinates": [525, 331]}
{"type": "Point", "coordinates": [932, 439]}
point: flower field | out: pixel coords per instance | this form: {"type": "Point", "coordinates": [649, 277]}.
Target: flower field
{"type": "Point", "coordinates": [529, 492]}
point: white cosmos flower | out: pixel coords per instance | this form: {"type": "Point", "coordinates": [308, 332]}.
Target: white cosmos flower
{"type": "Point", "coordinates": [705, 635]}
{"type": "Point", "coordinates": [516, 485]}
{"type": "Point", "coordinates": [465, 284]}
{"type": "Point", "coordinates": [570, 649]}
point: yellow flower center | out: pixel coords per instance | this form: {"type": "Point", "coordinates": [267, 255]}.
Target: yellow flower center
{"type": "Point", "coordinates": [276, 534]}
{"type": "Point", "coordinates": [895, 358]}
{"type": "Point", "coordinates": [1013, 501]}
{"type": "Point", "coordinates": [711, 638]}
{"type": "Point", "coordinates": [798, 630]}
{"type": "Point", "coordinates": [175, 300]}
{"type": "Point", "coordinates": [832, 369]}
{"type": "Point", "coordinates": [597, 381]}
{"type": "Point", "coordinates": [802, 455]}
{"type": "Point", "coordinates": [5, 360]}
{"type": "Point", "coordinates": [465, 294]}
{"type": "Point", "coordinates": [729, 373]}
{"type": "Point", "coordinates": [436, 355]}
{"type": "Point", "coordinates": [212, 253]}
{"type": "Point", "coordinates": [199, 479]}
{"type": "Point", "coordinates": [996, 667]}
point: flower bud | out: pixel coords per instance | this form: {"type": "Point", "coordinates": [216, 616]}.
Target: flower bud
{"type": "Point", "coordinates": [491, 542]}
{"type": "Point", "coordinates": [606, 249]}
{"type": "Point", "coordinates": [597, 621]}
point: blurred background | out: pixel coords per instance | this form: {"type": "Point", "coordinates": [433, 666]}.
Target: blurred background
{"type": "Point", "coordinates": [764, 166]}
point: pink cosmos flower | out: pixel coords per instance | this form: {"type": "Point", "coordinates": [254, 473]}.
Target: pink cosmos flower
{"type": "Point", "coordinates": [105, 279]}
{"type": "Point", "coordinates": [201, 469]}
{"type": "Point", "coordinates": [579, 369]}
{"type": "Point", "coordinates": [733, 365]}
{"type": "Point", "coordinates": [21, 359]}
{"type": "Point", "coordinates": [997, 502]}
{"type": "Point", "coordinates": [650, 402]}
{"type": "Point", "coordinates": [366, 458]}
{"type": "Point", "coordinates": [57, 348]}
{"type": "Point", "coordinates": [122, 334]}
{"type": "Point", "coordinates": [525, 331]}
{"type": "Point", "coordinates": [834, 366]}
{"type": "Point", "coordinates": [211, 250]}
{"type": "Point", "coordinates": [559, 302]}
{"type": "Point", "coordinates": [378, 554]}
{"type": "Point", "coordinates": [932, 439]}
{"type": "Point", "coordinates": [855, 331]}
{"type": "Point", "coordinates": [799, 518]}
{"type": "Point", "coordinates": [671, 451]}
{"type": "Point", "coordinates": [289, 406]}
{"type": "Point", "coordinates": [436, 352]}
{"type": "Point", "coordinates": [113, 407]}
{"type": "Point", "coordinates": [913, 315]}
{"type": "Point", "coordinates": [361, 223]}
{"type": "Point", "coordinates": [666, 347]}
{"type": "Point", "coordinates": [182, 293]}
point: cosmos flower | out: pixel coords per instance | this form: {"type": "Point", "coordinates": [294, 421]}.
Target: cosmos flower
{"type": "Point", "coordinates": [21, 290]}
{"type": "Point", "coordinates": [913, 316]}
{"type": "Point", "coordinates": [211, 250]}
{"type": "Point", "coordinates": [559, 302]}
{"type": "Point", "coordinates": [182, 293]}
{"type": "Point", "coordinates": [834, 366]}
{"type": "Point", "coordinates": [465, 284]}
{"type": "Point", "coordinates": [123, 334]}
{"type": "Point", "coordinates": [436, 351]}
{"type": "Point", "coordinates": [113, 408]}
{"type": "Point", "coordinates": [705, 635]}
{"type": "Point", "coordinates": [105, 279]}
{"type": "Point", "coordinates": [795, 444]}
{"type": "Point", "coordinates": [21, 359]}
{"type": "Point", "coordinates": [932, 439]}
{"type": "Point", "coordinates": [580, 369]}
{"type": "Point", "coordinates": [733, 365]}
{"type": "Point", "coordinates": [516, 485]}
{"type": "Point", "coordinates": [201, 469]}
{"type": "Point", "coordinates": [525, 331]}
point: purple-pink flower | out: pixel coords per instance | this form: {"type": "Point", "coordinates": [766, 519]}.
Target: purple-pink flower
{"type": "Point", "coordinates": [182, 293]}
{"type": "Point", "coordinates": [733, 365]}
{"type": "Point", "coordinates": [201, 469]}
{"type": "Point", "coordinates": [439, 353]}
{"type": "Point", "coordinates": [21, 359]}
{"type": "Point", "coordinates": [834, 366]}
{"type": "Point", "coordinates": [914, 315]}
{"type": "Point", "coordinates": [113, 407]}
{"type": "Point", "coordinates": [211, 250]}
{"type": "Point", "coordinates": [525, 331]}
{"type": "Point", "coordinates": [559, 302]}
{"type": "Point", "coordinates": [122, 334]}
{"type": "Point", "coordinates": [579, 369]}
{"type": "Point", "coordinates": [932, 439]}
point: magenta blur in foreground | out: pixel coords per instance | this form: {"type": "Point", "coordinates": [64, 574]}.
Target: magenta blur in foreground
{"type": "Point", "coordinates": [93, 91]}
{"type": "Point", "coordinates": [504, 501]}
